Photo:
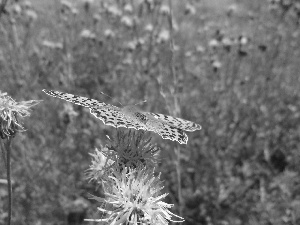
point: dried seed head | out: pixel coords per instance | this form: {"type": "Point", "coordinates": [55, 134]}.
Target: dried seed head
{"type": "Point", "coordinates": [10, 112]}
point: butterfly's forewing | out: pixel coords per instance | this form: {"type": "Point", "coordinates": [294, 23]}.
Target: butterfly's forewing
{"type": "Point", "coordinates": [176, 122]}
{"type": "Point", "coordinates": [83, 101]}
{"type": "Point", "coordinates": [110, 116]}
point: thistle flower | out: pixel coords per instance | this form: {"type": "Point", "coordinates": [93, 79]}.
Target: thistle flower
{"type": "Point", "coordinates": [101, 165]}
{"type": "Point", "coordinates": [133, 150]}
{"type": "Point", "coordinates": [10, 111]}
{"type": "Point", "coordinates": [132, 196]}
{"type": "Point", "coordinates": [130, 150]}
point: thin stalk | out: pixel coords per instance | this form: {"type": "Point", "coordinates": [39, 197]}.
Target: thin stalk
{"type": "Point", "coordinates": [8, 150]}
{"type": "Point", "coordinates": [172, 67]}
{"type": "Point", "coordinates": [3, 153]}
{"type": "Point", "coordinates": [176, 104]}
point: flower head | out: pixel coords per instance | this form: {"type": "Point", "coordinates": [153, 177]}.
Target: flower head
{"type": "Point", "coordinates": [102, 165]}
{"type": "Point", "coordinates": [10, 111]}
{"type": "Point", "coordinates": [132, 196]}
{"type": "Point", "coordinates": [133, 150]}
{"type": "Point", "coordinates": [126, 150]}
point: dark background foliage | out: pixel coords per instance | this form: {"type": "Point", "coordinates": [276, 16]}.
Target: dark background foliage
{"type": "Point", "coordinates": [237, 67]}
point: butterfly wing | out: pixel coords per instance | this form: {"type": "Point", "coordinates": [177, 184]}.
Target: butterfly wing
{"type": "Point", "coordinates": [112, 117]}
{"type": "Point", "coordinates": [83, 101]}
{"type": "Point", "coordinates": [108, 114]}
{"type": "Point", "coordinates": [176, 122]}
{"type": "Point", "coordinates": [167, 127]}
{"type": "Point", "coordinates": [166, 131]}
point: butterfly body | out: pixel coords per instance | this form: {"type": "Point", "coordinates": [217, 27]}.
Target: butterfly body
{"type": "Point", "coordinates": [134, 113]}
{"type": "Point", "coordinates": [167, 127]}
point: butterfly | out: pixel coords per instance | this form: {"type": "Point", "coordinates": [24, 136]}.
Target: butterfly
{"type": "Point", "coordinates": [130, 116]}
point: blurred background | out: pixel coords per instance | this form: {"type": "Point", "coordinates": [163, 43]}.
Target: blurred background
{"type": "Point", "coordinates": [236, 65]}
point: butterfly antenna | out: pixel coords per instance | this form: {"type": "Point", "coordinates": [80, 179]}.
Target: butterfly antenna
{"type": "Point", "coordinates": [141, 102]}
{"type": "Point", "coordinates": [110, 97]}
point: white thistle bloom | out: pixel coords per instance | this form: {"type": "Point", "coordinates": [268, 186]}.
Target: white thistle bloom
{"type": "Point", "coordinates": [132, 197]}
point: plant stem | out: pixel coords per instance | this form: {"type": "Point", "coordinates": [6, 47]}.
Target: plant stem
{"type": "Point", "coordinates": [8, 150]}
{"type": "Point", "coordinates": [3, 151]}
{"type": "Point", "coordinates": [172, 67]}
{"type": "Point", "coordinates": [176, 104]}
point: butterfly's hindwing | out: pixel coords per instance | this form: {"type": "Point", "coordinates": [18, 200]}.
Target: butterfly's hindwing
{"type": "Point", "coordinates": [176, 122]}
{"type": "Point", "coordinates": [114, 118]}
{"type": "Point", "coordinates": [83, 101]}
{"type": "Point", "coordinates": [166, 131]}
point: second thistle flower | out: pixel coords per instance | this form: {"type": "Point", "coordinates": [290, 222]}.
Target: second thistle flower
{"type": "Point", "coordinates": [10, 112]}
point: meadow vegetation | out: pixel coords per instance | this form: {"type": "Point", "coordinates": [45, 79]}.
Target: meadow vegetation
{"type": "Point", "coordinates": [234, 69]}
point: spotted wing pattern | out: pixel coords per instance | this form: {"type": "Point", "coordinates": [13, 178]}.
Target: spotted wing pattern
{"type": "Point", "coordinates": [114, 118]}
{"type": "Point", "coordinates": [108, 114]}
{"type": "Point", "coordinates": [167, 127]}
{"type": "Point", "coordinates": [83, 101]}
{"type": "Point", "coordinates": [166, 131]}
{"type": "Point", "coordinates": [176, 122]}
